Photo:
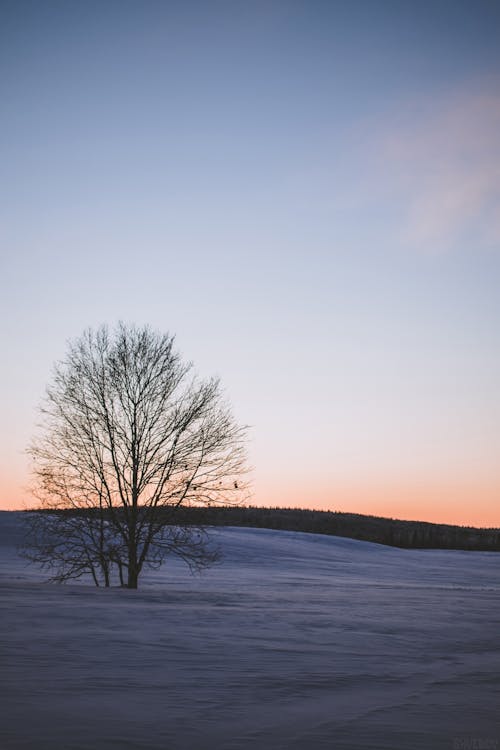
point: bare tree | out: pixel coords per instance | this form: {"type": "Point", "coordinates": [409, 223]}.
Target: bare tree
{"type": "Point", "coordinates": [129, 435]}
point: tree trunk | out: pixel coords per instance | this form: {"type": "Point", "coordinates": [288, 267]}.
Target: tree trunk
{"type": "Point", "coordinates": [133, 568]}
{"type": "Point", "coordinates": [133, 575]}
{"type": "Point", "coordinates": [105, 571]}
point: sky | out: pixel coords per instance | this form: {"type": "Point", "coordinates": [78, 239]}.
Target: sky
{"type": "Point", "coordinates": [306, 193]}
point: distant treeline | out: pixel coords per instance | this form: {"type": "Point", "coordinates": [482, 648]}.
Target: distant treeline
{"type": "Point", "coordinates": [396, 533]}
{"type": "Point", "coordinates": [410, 534]}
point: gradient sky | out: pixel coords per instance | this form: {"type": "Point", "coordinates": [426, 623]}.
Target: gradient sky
{"type": "Point", "coordinates": [306, 193]}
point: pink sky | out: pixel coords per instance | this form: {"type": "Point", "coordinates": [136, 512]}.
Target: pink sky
{"type": "Point", "coordinates": [307, 196]}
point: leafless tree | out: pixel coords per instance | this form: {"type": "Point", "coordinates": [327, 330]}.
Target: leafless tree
{"type": "Point", "coordinates": [128, 436]}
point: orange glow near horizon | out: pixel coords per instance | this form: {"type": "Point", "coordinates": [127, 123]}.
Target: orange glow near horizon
{"type": "Point", "coordinates": [463, 504]}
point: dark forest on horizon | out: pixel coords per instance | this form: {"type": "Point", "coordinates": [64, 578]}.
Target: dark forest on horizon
{"type": "Point", "coordinates": [388, 531]}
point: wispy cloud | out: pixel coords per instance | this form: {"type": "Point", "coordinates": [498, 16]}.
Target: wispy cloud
{"type": "Point", "coordinates": [440, 166]}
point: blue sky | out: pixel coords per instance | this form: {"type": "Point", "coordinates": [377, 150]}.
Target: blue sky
{"type": "Point", "coordinates": [306, 193]}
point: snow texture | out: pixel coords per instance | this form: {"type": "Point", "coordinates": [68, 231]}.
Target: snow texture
{"type": "Point", "coordinates": [295, 641]}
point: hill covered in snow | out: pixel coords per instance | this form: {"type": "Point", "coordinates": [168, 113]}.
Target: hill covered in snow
{"type": "Point", "coordinates": [293, 641]}
{"type": "Point", "coordinates": [391, 531]}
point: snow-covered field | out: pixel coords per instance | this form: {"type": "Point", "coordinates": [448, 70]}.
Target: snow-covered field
{"type": "Point", "coordinates": [294, 641]}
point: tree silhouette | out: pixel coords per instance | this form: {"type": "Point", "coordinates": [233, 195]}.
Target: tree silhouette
{"type": "Point", "coordinates": [129, 436]}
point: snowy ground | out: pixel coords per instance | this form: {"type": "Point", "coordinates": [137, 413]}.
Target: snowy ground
{"type": "Point", "coordinates": [295, 641]}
